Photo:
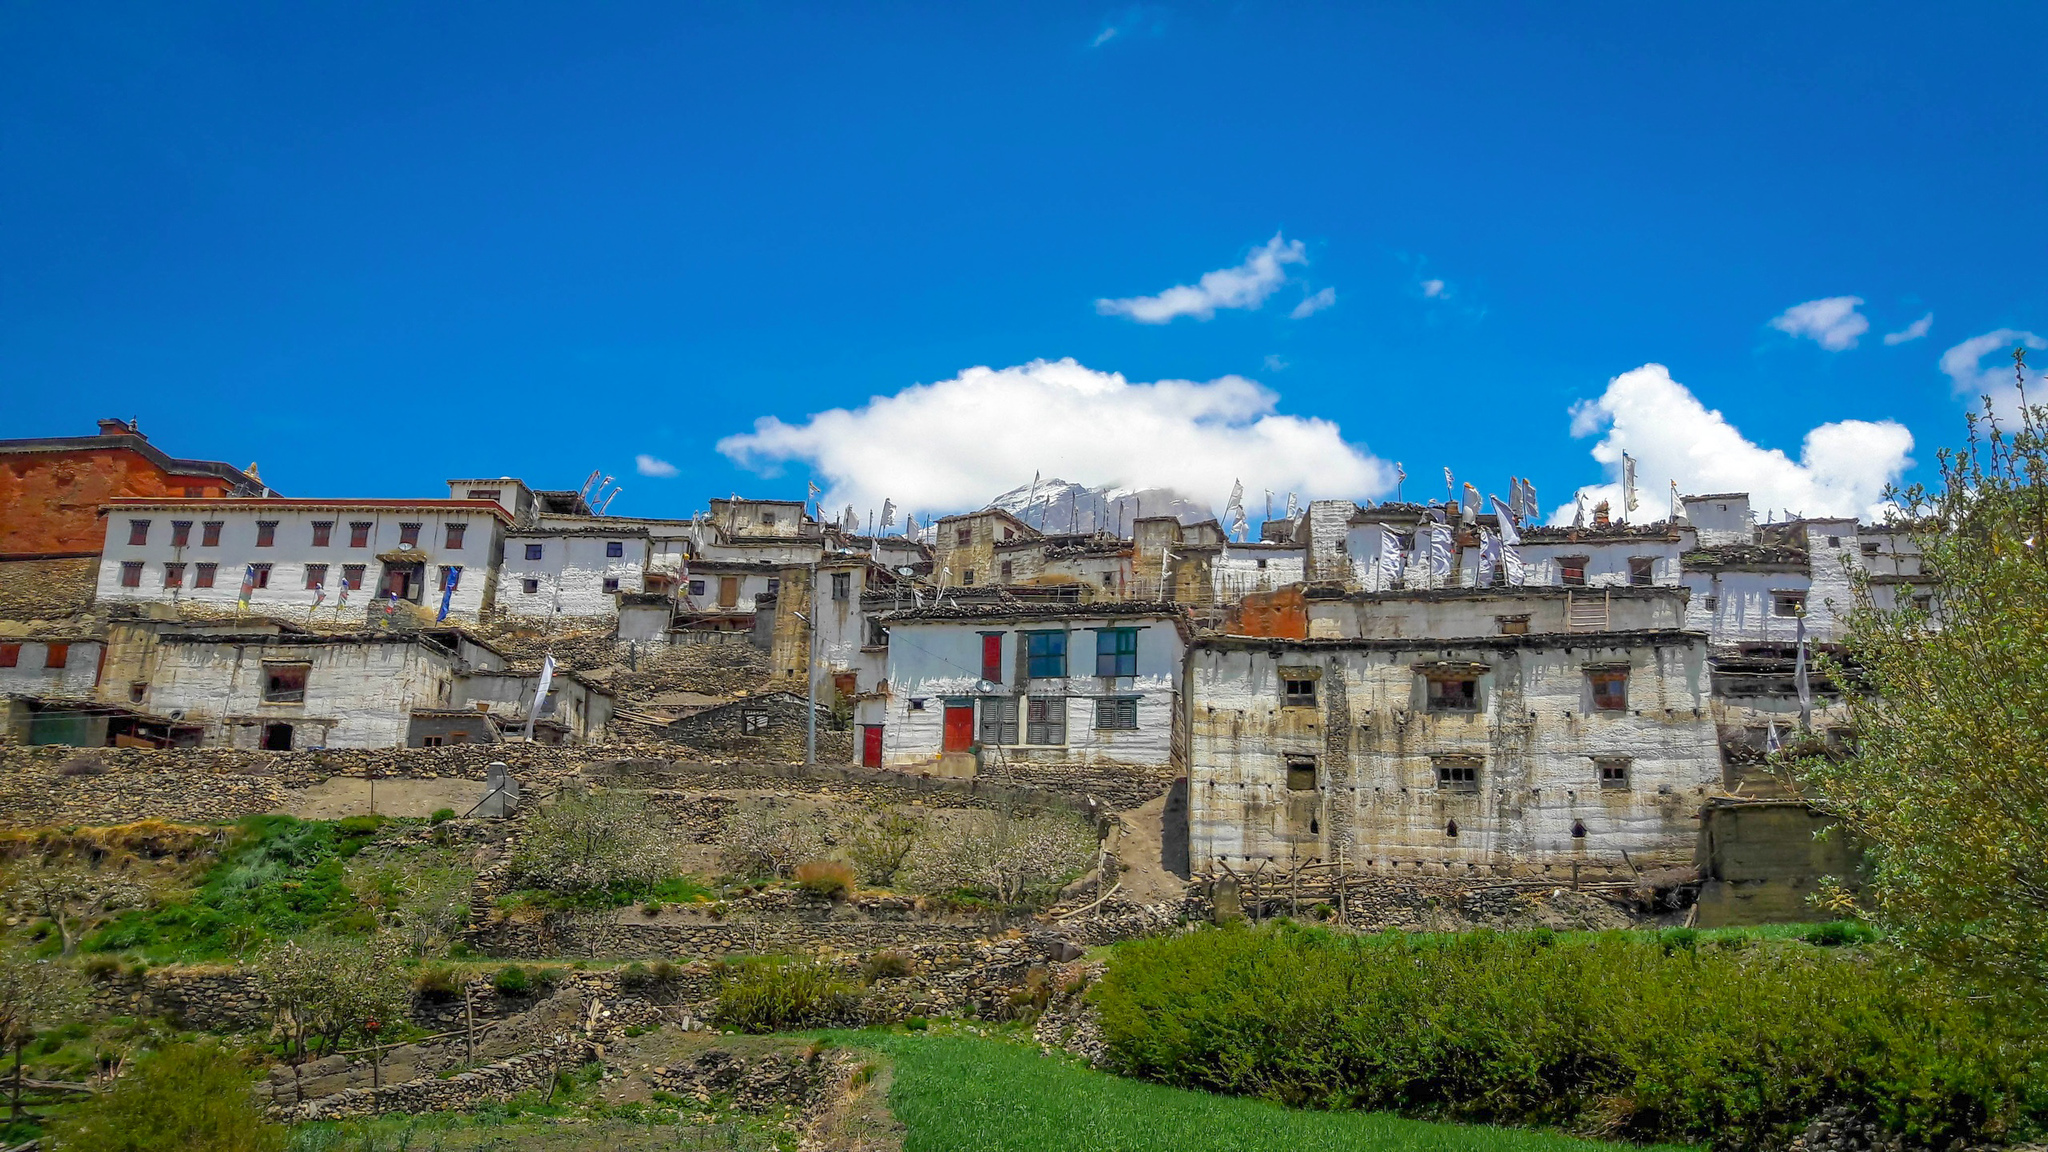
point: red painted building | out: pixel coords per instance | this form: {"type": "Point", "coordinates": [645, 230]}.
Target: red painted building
{"type": "Point", "coordinates": [52, 487]}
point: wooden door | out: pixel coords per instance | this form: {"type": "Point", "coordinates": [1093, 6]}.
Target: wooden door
{"type": "Point", "coordinates": [871, 745]}
{"type": "Point", "coordinates": [728, 591]}
{"type": "Point", "coordinates": [959, 727]}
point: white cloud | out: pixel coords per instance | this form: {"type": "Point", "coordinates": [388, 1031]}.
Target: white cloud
{"type": "Point", "coordinates": [1245, 286]}
{"type": "Point", "coordinates": [653, 465]}
{"type": "Point", "coordinates": [1435, 288]}
{"type": "Point", "coordinates": [1313, 304]}
{"type": "Point", "coordinates": [1275, 362]}
{"type": "Point", "coordinates": [1833, 323]}
{"type": "Point", "coordinates": [951, 445]}
{"type": "Point", "coordinates": [1107, 34]}
{"type": "Point", "coordinates": [1842, 470]}
{"type": "Point", "coordinates": [1965, 367]}
{"type": "Point", "coordinates": [1913, 331]}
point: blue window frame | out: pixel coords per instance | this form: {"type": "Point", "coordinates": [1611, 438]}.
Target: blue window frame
{"type": "Point", "coordinates": [1046, 653]}
{"type": "Point", "coordinates": [615, 548]}
{"type": "Point", "coordinates": [1116, 652]}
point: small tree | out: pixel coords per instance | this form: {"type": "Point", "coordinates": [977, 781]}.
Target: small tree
{"type": "Point", "coordinates": [1947, 786]}
{"type": "Point", "coordinates": [765, 839]}
{"type": "Point", "coordinates": [423, 906]}
{"type": "Point", "coordinates": [879, 847]}
{"type": "Point", "coordinates": [33, 995]}
{"type": "Point", "coordinates": [606, 838]}
{"type": "Point", "coordinates": [1005, 855]}
{"type": "Point", "coordinates": [192, 1097]}
{"type": "Point", "coordinates": [328, 988]}
{"type": "Point", "coordinates": [73, 889]}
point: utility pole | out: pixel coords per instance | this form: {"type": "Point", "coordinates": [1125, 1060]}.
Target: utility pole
{"type": "Point", "coordinates": [811, 673]}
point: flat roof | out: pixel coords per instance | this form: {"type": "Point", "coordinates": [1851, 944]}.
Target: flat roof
{"type": "Point", "coordinates": [224, 503]}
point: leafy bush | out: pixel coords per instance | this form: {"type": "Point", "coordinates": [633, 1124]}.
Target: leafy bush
{"type": "Point", "coordinates": [762, 838]}
{"type": "Point", "coordinates": [512, 980]}
{"type": "Point", "coordinates": [825, 877]}
{"type": "Point", "coordinates": [1840, 932]}
{"type": "Point", "coordinates": [881, 846]}
{"type": "Point", "coordinates": [1007, 858]}
{"type": "Point", "coordinates": [437, 982]}
{"type": "Point", "coordinates": [1617, 1035]}
{"type": "Point", "coordinates": [441, 816]}
{"type": "Point", "coordinates": [191, 1097]}
{"type": "Point", "coordinates": [607, 839]}
{"type": "Point", "coordinates": [772, 993]}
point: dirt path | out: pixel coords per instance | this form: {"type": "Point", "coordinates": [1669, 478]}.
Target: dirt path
{"type": "Point", "coordinates": [1144, 880]}
{"type": "Point", "coordinates": [340, 796]}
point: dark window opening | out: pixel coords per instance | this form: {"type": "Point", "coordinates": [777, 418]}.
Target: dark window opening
{"type": "Point", "coordinates": [1116, 652]}
{"type": "Point", "coordinates": [614, 548]}
{"type": "Point", "coordinates": [1613, 772]}
{"type": "Point", "coordinates": [259, 575]}
{"type": "Point", "coordinates": [316, 576]}
{"type": "Point", "coordinates": [492, 494]}
{"type": "Point", "coordinates": [209, 534]}
{"type": "Point", "coordinates": [696, 588]}
{"type": "Point", "coordinates": [1451, 829]}
{"type": "Point", "coordinates": [1457, 775]}
{"type": "Point", "coordinates": [1788, 603]}
{"type": "Point", "coordinates": [877, 634]}
{"type": "Point", "coordinates": [277, 738]}
{"type": "Point", "coordinates": [1578, 829]}
{"type": "Point", "coordinates": [174, 575]}
{"type": "Point", "coordinates": [408, 535]}
{"type": "Point", "coordinates": [202, 575]}
{"type": "Point", "coordinates": [131, 574]}
{"type": "Point", "coordinates": [533, 551]}
{"type": "Point", "coordinates": [842, 585]}
{"type": "Point", "coordinates": [1834, 541]}
{"type": "Point", "coordinates": [453, 534]}
{"type": "Point", "coordinates": [137, 690]}
{"type": "Point", "coordinates": [181, 533]}
{"type": "Point", "coordinates": [285, 683]}
{"type": "Point", "coordinates": [767, 519]}
{"type": "Point", "coordinates": [965, 537]}
{"type": "Point", "coordinates": [1045, 720]}
{"type": "Point", "coordinates": [1009, 571]}
{"type": "Point", "coordinates": [967, 577]}
{"type": "Point", "coordinates": [138, 532]}
{"type": "Point", "coordinates": [266, 533]}
{"type": "Point", "coordinates": [352, 576]}
{"type": "Point", "coordinates": [1301, 773]}
{"type": "Point", "coordinates": [1642, 571]}
{"type": "Point", "coordinates": [1712, 603]}
{"type": "Point", "coordinates": [1610, 689]}
{"type": "Point", "coordinates": [1297, 692]}
{"type": "Point", "coordinates": [323, 533]}
{"type": "Point", "coordinates": [611, 584]}
{"type": "Point", "coordinates": [1453, 695]}
{"type": "Point", "coordinates": [753, 722]}
{"type": "Point", "coordinates": [1571, 571]}
{"type": "Point", "coordinates": [359, 533]}
{"type": "Point", "coordinates": [529, 585]}
{"type": "Point", "coordinates": [1870, 548]}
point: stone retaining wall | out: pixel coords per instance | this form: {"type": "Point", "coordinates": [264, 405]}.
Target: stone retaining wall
{"type": "Point", "coordinates": [588, 937]}
{"type": "Point", "coordinates": [499, 1081]}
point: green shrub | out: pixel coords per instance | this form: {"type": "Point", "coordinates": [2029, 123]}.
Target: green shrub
{"type": "Point", "coordinates": [441, 816]}
{"type": "Point", "coordinates": [825, 877]}
{"type": "Point", "coordinates": [191, 1097]}
{"type": "Point", "coordinates": [437, 982]}
{"type": "Point", "coordinates": [100, 969]}
{"type": "Point", "coordinates": [1838, 933]}
{"type": "Point", "coordinates": [512, 980]}
{"type": "Point", "coordinates": [772, 993]}
{"type": "Point", "coordinates": [1623, 1035]}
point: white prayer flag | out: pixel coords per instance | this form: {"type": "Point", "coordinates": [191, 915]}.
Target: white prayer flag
{"type": "Point", "coordinates": [1506, 517]}
{"type": "Point", "coordinates": [1441, 554]}
{"type": "Point", "coordinates": [1390, 557]}
{"type": "Point", "coordinates": [1489, 556]}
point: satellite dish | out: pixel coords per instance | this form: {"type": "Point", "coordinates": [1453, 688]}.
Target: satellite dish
{"type": "Point", "coordinates": [906, 570]}
{"type": "Point", "coordinates": [989, 687]}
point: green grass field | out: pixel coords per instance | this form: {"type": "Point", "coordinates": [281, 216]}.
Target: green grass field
{"type": "Point", "coordinates": [969, 1094]}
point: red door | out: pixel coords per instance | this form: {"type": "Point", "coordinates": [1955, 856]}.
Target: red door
{"type": "Point", "coordinates": [871, 745]}
{"type": "Point", "coordinates": [959, 727]}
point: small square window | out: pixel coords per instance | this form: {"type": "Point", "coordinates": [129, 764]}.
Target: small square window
{"type": "Point", "coordinates": [611, 584]}
{"type": "Point", "coordinates": [259, 575]}
{"type": "Point", "coordinates": [209, 534]}
{"type": "Point", "coordinates": [202, 575]}
{"type": "Point", "coordinates": [138, 532]}
{"type": "Point", "coordinates": [529, 585]}
{"type": "Point", "coordinates": [774, 585]}
{"type": "Point", "coordinates": [1046, 654]}
{"type": "Point", "coordinates": [453, 534]}
{"type": "Point", "coordinates": [137, 691]}
{"type": "Point", "coordinates": [696, 588]}
{"type": "Point", "coordinates": [1571, 571]}
{"type": "Point", "coordinates": [767, 519]}
{"type": "Point", "coordinates": [1610, 689]}
{"type": "Point", "coordinates": [1045, 720]}
{"type": "Point", "coordinates": [967, 577]}
{"type": "Point", "coordinates": [1109, 579]}
{"type": "Point", "coordinates": [965, 537]}
{"type": "Point", "coordinates": [917, 703]}
{"type": "Point", "coordinates": [430, 741]}
{"type": "Point", "coordinates": [1009, 571]}
{"type": "Point", "coordinates": [181, 533]}
{"type": "Point", "coordinates": [408, 535]}
{"type": "Point", "coordinates": [174, 575]}
{"type": "Point", "coordinates": [285, 683]}
{"type": "Point", "coordinates": [491, 494]}
{"type": "Point", "coordinates": [1613, 771]}
{"type": "Point", "coordinates": [131, 574]}
{"type": "Point", "coordinates": [1447, 694]}
{"type": "Point", "coordinates": [1301, 773]}
{"type": "Point", "coordinates": [533, 551]}
{"type": "Point", "coordinates": [266, 533]}
{"type": "Point", "coordinates": [615, 548]}
{"type": "Point", "coordinates": [1712, 603]}
{"type": "Point", "coordinates": [1262, 563]}
{"type": "Point", "coordinates": [1457, 775]}
{"type": "Point", "coordinates": [359, 533]}
{"type": "Point", "coordinates": [1788, 603]}
{"type": "Point", "coordinates": [1642, 571]}
{"type": "Point", "coordinates": [323, 533]}
{"type": "Point", "coordinates": [1116, 652]}
{"type": "Point", "coordinates": [1834, 541]}
{"type": "Point", "coordinates": [56, 655]}
{"type": "Point", "coordinates": [10, 655]}
{"type": "Point", "coordinates": [1869, 547]}
{"type": "Point", "coordinates": [753, 722]}
{"type": "Point", "coordinates": [1512, 625]}
{"type": "Point", "coordinates": [842, 585]}
{"type": "Point", "coordinates": [1297, 692]}
{"type": "Point", "coordinates": [316, 576]}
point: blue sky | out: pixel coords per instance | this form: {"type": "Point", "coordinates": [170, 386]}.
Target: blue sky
{"type": "Point", "coordinates": [372, 246]}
